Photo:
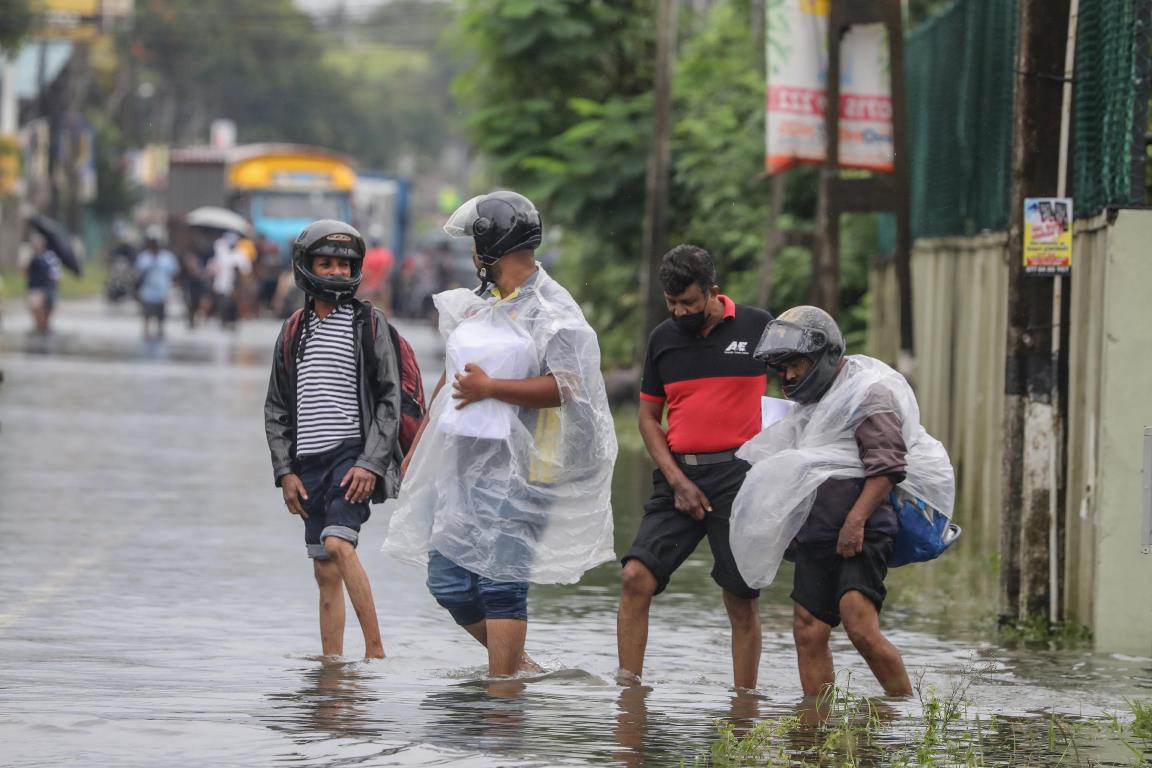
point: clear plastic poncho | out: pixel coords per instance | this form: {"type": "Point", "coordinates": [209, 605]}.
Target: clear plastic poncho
{"type": "Point", "coordinates": [509, 493]}
{"type": "Point", "coordinates": [816, 442]}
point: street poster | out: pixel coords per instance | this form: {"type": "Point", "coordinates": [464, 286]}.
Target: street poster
{"type": "Point", "coordinates": [1048, 235]}
{"type": "Point", "coordinates": [797, 56]}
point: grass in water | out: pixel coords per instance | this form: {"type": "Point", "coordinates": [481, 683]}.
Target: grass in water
{"type": "Point", "coordinates": [844, 729]}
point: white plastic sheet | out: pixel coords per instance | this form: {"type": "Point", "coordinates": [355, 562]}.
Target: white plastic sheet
{"type": "Point", "coordinates": [514, 494]}
{"type": "Point", "coordinates": [817, 442]}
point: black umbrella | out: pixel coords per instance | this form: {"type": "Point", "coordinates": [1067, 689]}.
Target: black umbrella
{"type": "Point", "coordinates": [58, 239]}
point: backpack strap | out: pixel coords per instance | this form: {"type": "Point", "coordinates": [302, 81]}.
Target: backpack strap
{"type": "Point", "coordinates": [291, 328]}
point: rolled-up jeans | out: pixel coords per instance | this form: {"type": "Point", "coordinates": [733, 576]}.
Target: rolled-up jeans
{"type": "Point", "coordinates": [471, 598]}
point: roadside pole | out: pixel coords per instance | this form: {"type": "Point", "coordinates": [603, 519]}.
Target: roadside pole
{"type": "Point", "coordinates": [1030, 451]}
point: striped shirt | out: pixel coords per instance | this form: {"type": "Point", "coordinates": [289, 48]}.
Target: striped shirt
{"type": "Point", "coordinates": [327, 397]}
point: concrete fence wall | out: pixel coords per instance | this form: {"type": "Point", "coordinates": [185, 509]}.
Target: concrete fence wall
{"type": "Point", "coordinates": [960, 302]}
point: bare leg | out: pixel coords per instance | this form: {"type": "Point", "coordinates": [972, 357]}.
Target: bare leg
{"type": "Point", "coordinates": [813, 656]}
{"type": "Point", "coordinates": [331, 606]}
{"type": "Point", "coordinates": [479, 630]}
{"type": "Point", "coordinates": [862, 623]}
{"type": "Point", "coordinates": [638, 586]}
{"type": "Point", "coordinates": [359, 592]}
{"type": "Point", "coordinates": [744, 616]}
{"type": "Point", "coordinates": [505, 645]}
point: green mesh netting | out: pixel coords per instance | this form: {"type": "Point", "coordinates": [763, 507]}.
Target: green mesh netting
{"type": "Point", "coordinates": [1111, 64]}
{"type": "Point", "coordinates": [959, 77]}
{"type": "Point", "coordinates": [960, 74]}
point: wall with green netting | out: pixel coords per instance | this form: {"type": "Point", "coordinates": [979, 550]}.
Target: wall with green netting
{"type": "Point", "coordinates": [960, 72]}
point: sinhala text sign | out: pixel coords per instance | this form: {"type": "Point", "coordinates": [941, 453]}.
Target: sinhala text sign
{"type": "Point", "coordinates": [1048, 235]}
{"type": "Point", "coordinates": [797, 54]}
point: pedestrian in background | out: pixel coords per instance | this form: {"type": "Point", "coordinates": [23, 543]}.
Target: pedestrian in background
{"type": "Point", "coordinates": [332, 419]}
{"type": "Point", "coordinates": [227, 267]}
{"type": "Point", "coordinates": [43, 277]}
{"type": "Point", "coordinates": [156, 270]}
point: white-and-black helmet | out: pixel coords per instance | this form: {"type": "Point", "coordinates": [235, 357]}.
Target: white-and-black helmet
{"type": "Point", "coordinates": [328, 237]}
{"type": "Point", "coordinates": [498, 223]}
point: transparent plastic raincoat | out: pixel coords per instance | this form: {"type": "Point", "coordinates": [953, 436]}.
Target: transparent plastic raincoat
{"type": "Point", "coordinates": [509, 493]}
{"type": "Point", "coordinates": [816, 442]}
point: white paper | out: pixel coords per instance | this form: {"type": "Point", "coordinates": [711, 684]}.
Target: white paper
{"type": "Point", "coordinates": [772, 409]}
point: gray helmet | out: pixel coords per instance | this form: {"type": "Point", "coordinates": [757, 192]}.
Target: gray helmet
{"type": "Point", "coordinates": [807, 332]}
{"type": "Point", "coordinates": [327, 237]}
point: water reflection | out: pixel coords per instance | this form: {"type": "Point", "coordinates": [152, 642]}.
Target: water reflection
{"type": "Point", "coordinates": [335, 698]}
{"type": "Point", "coordinates": [488, 716]}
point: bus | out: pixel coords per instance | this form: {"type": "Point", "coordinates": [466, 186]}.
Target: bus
{"type": "Point", "coordinates": [278, 188]}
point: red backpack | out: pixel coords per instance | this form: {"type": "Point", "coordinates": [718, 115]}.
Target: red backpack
{"type": "Point", "coordinates": [411, 382]}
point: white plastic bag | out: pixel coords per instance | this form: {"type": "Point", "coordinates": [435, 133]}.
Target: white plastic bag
{"type": "Point", "coordinates": [817, 442]}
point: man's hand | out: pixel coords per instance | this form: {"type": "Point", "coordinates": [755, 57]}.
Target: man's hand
{"type": "Point", "coordinates": [690, 499]}
{"type": "Point", "coordinates": [294, 494]}
{"type": "Point", "coordinates": [472, 386]}
{"type": "Point", "coordinates": [360, 483]}
{"type": "Point", "coordinates": [851, 540]}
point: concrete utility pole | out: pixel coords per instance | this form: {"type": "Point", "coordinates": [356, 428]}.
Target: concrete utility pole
{"type": "Point", "coordinates": [659, 169]}
{"type": "Point", "coordinates": [1029, 381]}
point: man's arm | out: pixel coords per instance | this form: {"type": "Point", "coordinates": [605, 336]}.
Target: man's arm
{"type": "Point", "coordinates": [383, 429]}
{"type": "Point", "coordinates": [279, 426]}
{"type": "Point", "coordinates": [851, 539]}
{"type": "Point", "coordinates": [689, 498]}
{"type": "Point", "coordinates": [474, 385]}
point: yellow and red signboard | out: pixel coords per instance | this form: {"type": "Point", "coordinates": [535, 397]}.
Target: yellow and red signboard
{"type": "Point", "coordinates": [1048, 235]}
{"type": "Point", "coordinates": [796, 99]}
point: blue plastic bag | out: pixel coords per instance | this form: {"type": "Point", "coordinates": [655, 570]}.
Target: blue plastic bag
{"type": "Point", "coordinates": [924, 533]}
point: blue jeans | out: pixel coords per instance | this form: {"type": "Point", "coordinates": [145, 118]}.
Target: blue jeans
{"type": "Point", "coordinates": [471, 598]}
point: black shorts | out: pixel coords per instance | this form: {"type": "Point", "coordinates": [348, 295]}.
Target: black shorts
{"type": "Point", "coordinates": [667, 536]}
{"type": "Point", "coordinates": [822, 577]}
{"type": "Point", "coordinates": [329, 513]}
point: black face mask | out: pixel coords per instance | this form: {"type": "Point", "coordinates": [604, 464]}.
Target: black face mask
{"type": "Point", "coordinates": [691, 324]}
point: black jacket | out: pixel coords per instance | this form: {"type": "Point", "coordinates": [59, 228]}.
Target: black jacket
{"type": "Point", "coordinates": [379, 385]}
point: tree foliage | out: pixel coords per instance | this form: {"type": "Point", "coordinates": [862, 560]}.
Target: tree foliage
{"type": "Point", "coordinates": [559, 102]}
{"type": "Point", "coordinates": [15, 20]}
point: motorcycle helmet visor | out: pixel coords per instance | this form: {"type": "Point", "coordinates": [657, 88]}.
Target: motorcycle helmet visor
{"type": "Point", "coordinates": [463, 223]}
{"type": "Point", "coordinates": [782, 340]}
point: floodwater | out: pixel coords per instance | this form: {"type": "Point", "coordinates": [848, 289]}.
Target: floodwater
{"type": "Point", "coordinates": [158, 609]}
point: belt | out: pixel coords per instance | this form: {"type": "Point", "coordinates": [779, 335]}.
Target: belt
{"type": "Point", "coordinates": [700, 459]}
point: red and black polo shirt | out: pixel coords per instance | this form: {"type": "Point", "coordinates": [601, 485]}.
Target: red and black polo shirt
{"type": "Point", "coordinates": [712, 384]}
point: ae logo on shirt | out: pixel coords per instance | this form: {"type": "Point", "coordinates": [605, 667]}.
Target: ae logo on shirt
{"type": "Point", "coordinates": [737, 348]}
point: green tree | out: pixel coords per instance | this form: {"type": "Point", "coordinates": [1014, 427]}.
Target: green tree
{"type": "Point", "coordinates": [15, 19]}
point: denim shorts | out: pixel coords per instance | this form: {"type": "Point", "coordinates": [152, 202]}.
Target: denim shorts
{"type": "Point", "coordinates": [471, 598]}
{"type": "Point", "coordinates": [329, 513]}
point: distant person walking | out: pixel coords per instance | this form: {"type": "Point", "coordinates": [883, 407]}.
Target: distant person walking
{"type": "Point", "coordinates": [228, 264]}
{"type": "Point", "coordinates": [43, 276]}
{"type": "Point", "coordinates": [332, 418]}
{"type": "Point", "coordinates": [156, 269]}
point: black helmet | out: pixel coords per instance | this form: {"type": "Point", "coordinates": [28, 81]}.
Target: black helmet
{"type": "Point", "coordinates": [327, 237]}
{"type": "Point", "coordinates": [499, 223]}
{"type": "Point", "coordinates": [808, 332]}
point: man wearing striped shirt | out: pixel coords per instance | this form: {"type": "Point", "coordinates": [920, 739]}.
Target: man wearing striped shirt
{"type": "Point", "coordinates": [332, 421]}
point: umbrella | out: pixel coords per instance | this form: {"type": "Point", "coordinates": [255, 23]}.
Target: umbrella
{"type": "Point", "coordinates": [58, 239]}
{"type": "Point", "coordinates": [218, 218]}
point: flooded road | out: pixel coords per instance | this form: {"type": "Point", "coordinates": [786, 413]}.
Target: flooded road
{"type": "Point", "coordinates": [158, 608]}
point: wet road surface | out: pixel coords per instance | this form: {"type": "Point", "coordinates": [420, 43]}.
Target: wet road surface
{"type": "Point", "coordinates": [158, 608]}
